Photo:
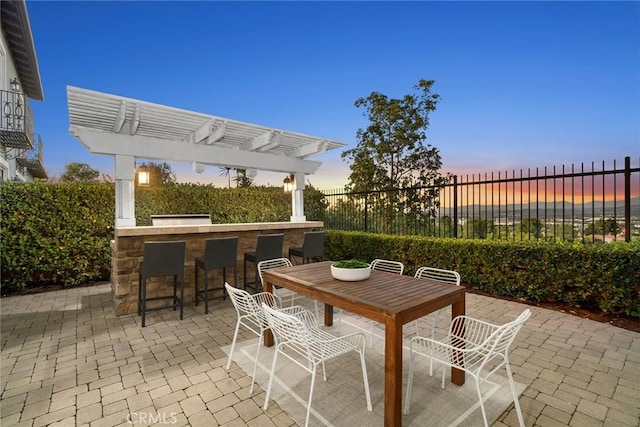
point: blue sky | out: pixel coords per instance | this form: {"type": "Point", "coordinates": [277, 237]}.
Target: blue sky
{"type": "Point", "coordinates": [522, 84]}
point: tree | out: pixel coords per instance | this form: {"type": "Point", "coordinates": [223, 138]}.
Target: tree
{"type": "Point", "coordinates": [392, 152]}
{"type": "Point", "coordinates": [226, 172]}
{"type": "Point", "coordinates": [242, 179]}
{"type": "Point", "coordinates": [603, 226]}
{"type": "Point", "coordinates": [531, 227]}
{"type": "Point", "coordinates": [79, 172]}
{"type": "Point", "coordinates": [159, 174]}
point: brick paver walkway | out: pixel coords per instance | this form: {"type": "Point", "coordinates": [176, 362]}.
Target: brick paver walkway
{"type": "Point", "coordinates": [67, 359]}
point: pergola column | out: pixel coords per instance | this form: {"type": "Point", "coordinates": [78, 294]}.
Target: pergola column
{"type": "Point", "coordinates": [125, 170]}
{"type": "Point", "coordinates": [297, 199]}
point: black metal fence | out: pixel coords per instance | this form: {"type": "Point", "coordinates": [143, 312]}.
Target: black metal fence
{"type": "Point", "coordinates": [586, 203]}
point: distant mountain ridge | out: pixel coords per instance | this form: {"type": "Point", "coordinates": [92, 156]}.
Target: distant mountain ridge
{"type": "Point", "coordinates": [549, 209]}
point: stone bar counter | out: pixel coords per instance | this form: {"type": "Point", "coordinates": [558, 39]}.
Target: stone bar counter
{"type": "Point", "coordinates": [127, 250]}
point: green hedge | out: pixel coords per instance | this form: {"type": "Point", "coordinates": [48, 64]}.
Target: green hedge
{"type": "Point", "coordinates": [60, 233]}
{"type": "Point", "coordinates": [604, 277]}
{"type": "Point", "coordinates": [55, 234]}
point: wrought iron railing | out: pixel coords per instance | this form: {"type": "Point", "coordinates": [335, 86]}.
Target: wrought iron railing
{"type": "Point", "coordinates": [16, 121]}
{"type": "Point", "coordinates": [585, 203]}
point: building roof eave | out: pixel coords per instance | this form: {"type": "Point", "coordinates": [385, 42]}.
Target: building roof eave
{"type": "Point", "coordinates": [17, 30]}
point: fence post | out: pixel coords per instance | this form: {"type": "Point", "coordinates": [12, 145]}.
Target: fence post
{"type": "Point", "coordinates": [627, 199]}
{"type": "Point", "coordinates": [455, 206]}
{"type": "Point", "coordinates": [366, 210]}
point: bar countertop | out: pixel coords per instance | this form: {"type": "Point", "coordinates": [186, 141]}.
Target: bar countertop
{"type": "Point", "coordinates": [155, 230]}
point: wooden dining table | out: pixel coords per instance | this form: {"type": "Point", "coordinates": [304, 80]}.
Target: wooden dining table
{"type": "Point", "coordinates": [388, 298]}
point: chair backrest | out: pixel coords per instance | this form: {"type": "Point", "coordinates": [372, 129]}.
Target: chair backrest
{"type": "Point", "coordinates": [163, 258]}
{"type": "Point", "coordinates": [445, 276]}
{"type": "Point", "coordinates": [490, 340]}
{"type": "Point", "coordinates": [387, 265]}
{"type": "Point", "coordinates": [220, 252]}
{"type": "Point", "coordinates": [250, 305]}
{"type": "Point", "coordinates": [273, 263]}
{"type": "Point", "coordinates": [313, 244]}
{"type": "Point", "coordinates": [269, 246]}
{"type": "Point", "coordinates": [291, 329]}
{"type": "Point", "coordinates": [501, 339]}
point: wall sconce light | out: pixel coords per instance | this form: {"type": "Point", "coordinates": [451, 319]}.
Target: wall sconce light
{"type": "Point", "coordinates": [15, 85]}
{"type": "Point", "coordinates": [143, 175]}
{"type": "Point", "coordinates": [289, 183]}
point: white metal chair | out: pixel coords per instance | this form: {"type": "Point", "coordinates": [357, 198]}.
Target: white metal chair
{"type": "Point", "coordinates": [281, 262]}
{"type": "Point", "coordinates": [474, 346]}
{"type": "Point", "coordinates": [299, 339]}
{"type": "Point", "coordinates": [443, 276]}
{"type": "Point", "coordinates": [387, 265]}
{"type": "Point", "coordinates": [381, 265]}
{"type": "Point", "coordinates": [251, 316]}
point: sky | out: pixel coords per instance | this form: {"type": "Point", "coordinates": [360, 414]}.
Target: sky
{"type": "Point", "coordinates": [522, 84]}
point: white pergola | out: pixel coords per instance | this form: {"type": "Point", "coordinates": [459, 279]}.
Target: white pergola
{"type": "Point", "coordinates": [129, 128]}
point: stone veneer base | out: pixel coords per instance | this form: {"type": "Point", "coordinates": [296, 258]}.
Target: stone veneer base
{"type": "Point", "coordinates": [127, 249]}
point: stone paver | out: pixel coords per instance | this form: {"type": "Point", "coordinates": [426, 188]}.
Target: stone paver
{"type": "Point", "coordinates": [67, 359]}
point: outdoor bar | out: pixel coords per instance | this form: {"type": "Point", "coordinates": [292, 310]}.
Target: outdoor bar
{"type": "Point", "coordinates": [130, 129]}
{"type": "Point", "coordinates": [126, 252]}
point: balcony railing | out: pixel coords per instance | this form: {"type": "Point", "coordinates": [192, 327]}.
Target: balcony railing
{"type": "Point", "coordinates": [16, 121]}
{"type": "Point", "coordinates": [31, 161]}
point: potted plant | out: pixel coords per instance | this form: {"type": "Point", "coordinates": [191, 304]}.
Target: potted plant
{"type": "Point", "coordinates": [350, 270]}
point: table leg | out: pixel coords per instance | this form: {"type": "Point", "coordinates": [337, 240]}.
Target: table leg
{"type": "Point", "coordinates": [458, 309]}
{"type": "Point", "coordinates": [268, 335]}
{"type": "Point", "coordinates": [393, 373]}
{"type": "Point", "coordinates": [328, 315]}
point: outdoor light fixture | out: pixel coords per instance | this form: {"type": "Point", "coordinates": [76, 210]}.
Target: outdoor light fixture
{"type": "Point", "coordinates": [15, 86]}
{"type": "Point", "coordinates": [143, 175]}
{"type": "Point", "coordinates": [289, 182]}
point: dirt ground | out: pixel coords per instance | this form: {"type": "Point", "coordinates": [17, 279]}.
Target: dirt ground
{"type": "Point", "coordinates": [619, 320]}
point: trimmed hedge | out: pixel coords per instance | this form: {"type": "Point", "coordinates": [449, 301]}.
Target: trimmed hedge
{"type": "Point", "coordinates": [604, 277]}
{"type": "Point", "coordinates": [60, 233]}
{"type": "Point", "coordinates": [55, 234]}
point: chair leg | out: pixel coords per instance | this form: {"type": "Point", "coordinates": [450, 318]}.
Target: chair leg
{"type": "Point", "coordinates": [181, 297]}
{"type": "Point", "coordinates": [233, 344]}
{"type": "Point", "coordinates": [195, 267]}
{"type": "Point", "coordinates": [244, 276]}
{"type": "Point", "coordinates": [255, 363]}
{"type": "Point", "coordinates": [139, 292]}
{"type": "Point", "coordinates": [175, 292]}
{"type": "Point", "coordinates": [224, 280]}
{"type": "Point", "coordinates": [484, 414]}
{"type": "Point", "coordinates": [206, 291]}
{"type": "Point", "coordinates": [407, 398]}
{"type": "Point", "coordinates": [313, 383]}
{"type": "Point", "coordinates": [365, 378]}
{"type": "Point", "coordinates": [273, 370]}
{"type": "Point", "coordinates": [516, 403]}
{"type": "Point", "coordinates": [256, 276]}
{"type": "Point", "coordinates": [144, 300]}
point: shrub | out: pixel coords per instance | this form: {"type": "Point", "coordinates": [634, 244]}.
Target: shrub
{"type": "Point", "coordinates": [604, 277]}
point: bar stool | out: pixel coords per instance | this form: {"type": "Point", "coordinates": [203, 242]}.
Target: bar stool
{"type": "Point", "coordinates": [218, 253]}
{"type": "Point", "coordinates": [312, 247]}
{"type": "Point", "coordinates": [162, 259]}
{"type": "Point", "coordinates": [269, 246]}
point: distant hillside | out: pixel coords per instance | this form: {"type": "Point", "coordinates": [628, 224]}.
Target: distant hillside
{"type": "Point", "coordinates": [548, 210]}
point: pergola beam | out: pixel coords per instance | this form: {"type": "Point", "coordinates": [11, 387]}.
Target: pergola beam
{"type": "Point", "coordinates": [100, 142]}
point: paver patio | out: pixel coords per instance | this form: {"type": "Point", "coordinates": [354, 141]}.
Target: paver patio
{"type": "Point", "coordinates": [67, 359]}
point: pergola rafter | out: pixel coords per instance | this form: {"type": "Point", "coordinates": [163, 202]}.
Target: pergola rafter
{"type": "Point", "coordinates": [128, 129]}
